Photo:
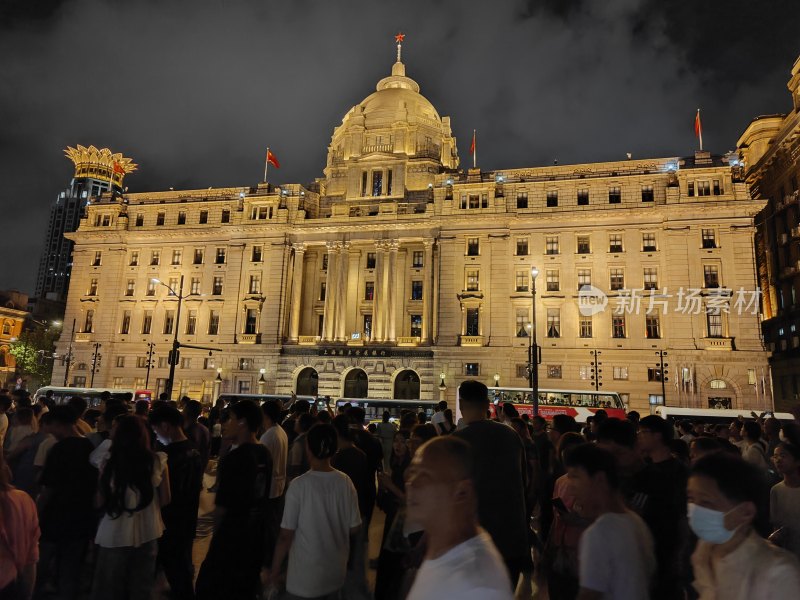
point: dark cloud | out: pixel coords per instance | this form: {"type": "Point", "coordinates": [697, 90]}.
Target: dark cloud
{"type": "Point", "coordinates": [195, 90]}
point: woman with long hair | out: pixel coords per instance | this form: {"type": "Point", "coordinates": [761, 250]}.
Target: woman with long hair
{"type": "Point", "coordinates": [134, 485]}
{"type": "Point", "coordinates": [19, 539]}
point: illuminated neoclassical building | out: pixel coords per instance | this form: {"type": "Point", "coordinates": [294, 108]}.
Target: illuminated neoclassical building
{"type": "Point", "coordinates": [399, 274]}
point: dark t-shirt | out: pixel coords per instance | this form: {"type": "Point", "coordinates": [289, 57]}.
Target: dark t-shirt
{"type": "Point", "coordinates": [244, 479]}
{"type": "Point", "coordinates": [185, 482]}
{"type": "Point", "coordinates": [500, 464]}
{"type": "Point", "coordinates": [371, 446]}
{"type": "Point", "coordinates": [201, 438]}
{"type": "Point", "coordinates": [353, 462]}
{"type": "Point", "coordinates": [71, 480]}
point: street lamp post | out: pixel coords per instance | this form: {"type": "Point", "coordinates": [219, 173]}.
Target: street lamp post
{"type": "Point", "coordinates": [151, 348]}
{"type": "Point", "coordinates": [174, 354]}
{"type": "Point", "coordinates": [68, 357]}
{"type": "Point", "coordinates": [661, 354]}
{"type": "Point", "coordinates": [533, 370]}
{"type": "Point", "coordinates": [596, 370]}
{"type": "Point", "coordinates": [262, 383]}
{"type": "Point", "coordinates": [96, 357]}
{"type": "Point", "coordinates": [497, 380]}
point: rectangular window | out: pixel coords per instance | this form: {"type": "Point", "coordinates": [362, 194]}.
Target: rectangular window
{"type": "Point", "coordinates": [139, 220]}
{"type": "Point", "coordinates": [377, 183]}
{"type": "Point", "coordinates": [552, 199]}
{"type": "Point", "coordinates": [648, 242]}
{"type": "Point", "coordinates": [647, 193]}
{"type": "Point", "coordinates": [134, 261]}
{"type": "Point", "coordinates": [147, 322]}
{"type": "Point", "coordinates": [155, 258]}
{"type": "Point", "coordinates": [703, 189]}
{"type": "Point", "coordinates": [617, 279]}
{"type": "Point", "coordinates": [654, 374]}
{"type": "Point", "coordinates": [194, 285]}
{"type": "Point", "coordinates": [473, 322]}
{"type": "Point", "coordinates": [216, 289]}
{"type": "Point", "coordinates": [618, 326]}
{"type": "Point", "coordinates": [251, 321]}
{"type": "Point", "coordinates": [711, 276]}
{"type": "Point", "coordinates": [522, 200]}
{"type": "Point", "coordinates": [650, 278]}
{"type": "Point", "coordinates": [472, 369]}
{"type": "Point", "coordinates": [522, 247]}
{"type": "Point", "coordinates": [220, 260]}
{"type": "Point", "coordinates": [484, 201]}
{"type": "Point", "coordinates": [418, 259]}
{"type": "Point", "coordinates": [416, 290]}
{"type": "Point", "coordinates": [584, 246]}
{"type": "Point", "coordinates": [173, 283]}
{"type": "Point", "coordinates": [416, 325]}
{"type": "Point", "coordinates": [199, 255]}
{"type": "Point", "coordinates": [169, 321]}
{"type": "Point", "coordinates": [79, 381]}
{"type": "Point", "coordinates": [474, 201]}
{"type": "Point", "coordinates": [551, 244]}
{"type": "Point", "coordinates": [473, 247]}
{"type": "Point", "coordinates": [553, 280]}
{"type": "Point", "coordinates": [369, 290]}
{"type": "Point", "coordinates": [226, 216]}
{"type": "Point", "coordinates": [521, 323]}
{"type": "Point", "coordinates": [182, 218]}
{"type": "Point", "coordinates": [92, 291]}
{"type": "Point", "coordinates": [151, 288]}
{"type": "Point", "coordinates": [583, 197]}
{"type": "Point", "coordinates": [213, 322]}
{"type": "Point", "coordinates": [163, 362]}
{"type": "Point", "coordinates": [371, 260]}
{"type": "Point", "coordinates": [98, 258]}
{"type": "Point", "coordinates": [709, 238]}
{"type": "Point", "coordinates": [652, 327]}
{"type": "Point", "coordinates": [584, 277]}
{"type": "Point", "coordinates": [325, 262]}
{"type": "Point", "coordinates": [125, 327]}
{"type": "Point", "coordinates": [585, 326]}
{"type": "Point", "coordinates": [621, 373]}
{"type": "Point", "coordinates": [203, 217]}
{"type": "Point", "coordinates": [245, 364]}
{"type": "Point", "coordinates": [614, 195]}
{"type": "Point", "coordinates": [521, 281]}
{"type": "Point", "coordinates": [364, 183]}
{"type": "Point", "coordinates": [160, 219]}
{"type": "Point", "coordinates": [256, 254]}
{"type": "Point", "coordinates": [553, 322]}
{"type": "Point", "coordinates": [716, 187]}
{"type": "Point", "coordinates": [615, 242]}
{"type": "Point", "coordinates": [554, 371]}
{"type": "Point", "coordinates": [368, 326]}
{"type": "Point", "coordinates": [323, 288]}
{"type": "Point", "coordinates": [141, 363]}
{"type": "Point", "coordinates": [714, 321]}
{"type": "Point", "coordinates": [690, 188]}
{"type": "Point", "coordinates": [584, 371]}
{"type": "Point", "coordinates": [191, 322]}
{"type": "Point", "coordinates": [255, 284]}
{"type": "Point", "coordinates": [388, 182]}
{"type": "Point", "coordinates": [177, 257]}
{"type": "Point", "coordinates": [473, 280]}
{"type": "Point", "coordinates": [130, 287]}
{"type": "Point", "coordinates": [186, 363]}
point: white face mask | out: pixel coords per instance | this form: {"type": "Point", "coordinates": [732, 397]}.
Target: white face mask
{"type": "Point", "coordinates": [709, 525]}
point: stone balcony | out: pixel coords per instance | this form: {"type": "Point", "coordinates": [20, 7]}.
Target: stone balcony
{"type": "Point", "coordinates": [248, 338]}
{"type": "Point", "coordinates": [308, 340]}
{"type": "Point", "coordinates": [472, 340]}
{"type": "Point", "coordinates": [83, 337]}
{"type": "Point", "coordinates": [718, 343]}
{"type": "Point", "coordinates": [412, 340]}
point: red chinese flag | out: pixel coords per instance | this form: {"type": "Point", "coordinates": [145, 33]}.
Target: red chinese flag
{"type": "Point", "coordinates": [472, 146]}
{"type": "Point", "coordinates": [273, 160]}
{"type": "Point", "coordinates": [698, 128]}
{"type": "Point", "coordinates": [118, 169]}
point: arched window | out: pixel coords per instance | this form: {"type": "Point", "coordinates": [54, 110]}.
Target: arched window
{"type": "Point", "coordinates": [406, 385]}
{"type": "Point", "coordinates": [356, 384]}
{"type": "Point", "coordinates": [6, 327]}
{"type": "Point", "coordinates": [307, 382]}
{"type": "Point", "coordinates": [718, 384]}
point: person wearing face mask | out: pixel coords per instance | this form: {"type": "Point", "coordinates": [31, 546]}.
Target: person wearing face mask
{"type": "Point", "coordinates": [731, 561]}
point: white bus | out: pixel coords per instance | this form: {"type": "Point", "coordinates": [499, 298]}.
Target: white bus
{"type": "Point", "coordinates": [61, 395]}
{"type": "Point", "coordinates": [713, 415]}
{"type": "Point", "coordinates": [375, 407]}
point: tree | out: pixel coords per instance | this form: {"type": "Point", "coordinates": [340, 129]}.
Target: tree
{"type": "Point", "coordinates": [33, 353]}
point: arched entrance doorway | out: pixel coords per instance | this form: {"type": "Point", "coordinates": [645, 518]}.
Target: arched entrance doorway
{"type": "Point", "coordinates": [307, 382]}
{"type": "Point", "coordinates": [406, 385]}
{"type": "Point", "coordinates": [356, 384]}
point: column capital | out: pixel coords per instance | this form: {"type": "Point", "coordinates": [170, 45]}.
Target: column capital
{"type": "Point", "coordinates": [428, 243]}
{"type": "Point", "coordinates": [393, 245]}
{"type": "Point", "coordinates": [381, 245]}
{"type": "Point", "coordinates": [299, 247]}
{"type": "Point", "coordinates": [333, 246]}
{"type": "Point", "coordinates": [344, 246]}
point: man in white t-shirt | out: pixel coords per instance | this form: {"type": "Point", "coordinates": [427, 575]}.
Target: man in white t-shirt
{"type": "Point", "coordinates": [461, 560]}
{"type": "Point", "coordinates": [277, 442]}
{"type": "Point", "coordinates": [438, 416]}
{"type": "Point", "coordinates": [616, 556]}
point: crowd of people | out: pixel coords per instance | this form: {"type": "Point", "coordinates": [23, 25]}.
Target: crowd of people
{"type": "Point", "coordinates": [101, 500]}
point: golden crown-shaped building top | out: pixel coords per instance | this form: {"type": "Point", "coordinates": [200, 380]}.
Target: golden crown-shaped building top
{"type": "Point", "coordinates": [100, 163]}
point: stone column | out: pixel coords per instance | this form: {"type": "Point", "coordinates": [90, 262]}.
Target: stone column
{"type": "Point", "coordinates": [341, 293]}
{"type": "Point", "coordinates": [328, 330]}
{"type": "Point", "coordinates": [379, 293]}
{"type": "Point", "coordinates": [427, 291]}
{"type": "Point", "coordinates": [434, 331]}
{"type": "Point", "coordinates": [392, 299]}
{"type": "Point", "coordinates": [297, 292]}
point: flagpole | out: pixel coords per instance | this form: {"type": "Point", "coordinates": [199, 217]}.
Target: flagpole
{"type": "Point", "coordinates": [474, 151]}
{"type": "Point", "coordinates": [266, 164]}
{"type": "Point", "coordinates": [700, 129]}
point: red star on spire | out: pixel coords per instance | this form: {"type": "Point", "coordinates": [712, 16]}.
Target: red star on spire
{"type": "Point", "coordinates": [399, 38]}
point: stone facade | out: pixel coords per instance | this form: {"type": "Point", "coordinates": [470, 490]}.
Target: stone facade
{"type": "Point", "coordinates": [770, 151]}
{"type": "Point", "coordinates": [396, 267]}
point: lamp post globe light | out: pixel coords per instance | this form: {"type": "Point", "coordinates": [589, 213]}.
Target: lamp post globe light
{"type": "Point", "coordinates": [533, 350]}
{"type": "Point", "coordinates": [174, 354]}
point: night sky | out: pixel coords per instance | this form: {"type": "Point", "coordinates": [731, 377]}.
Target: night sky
{"type": "Point", "coordinates": [195, 90]}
